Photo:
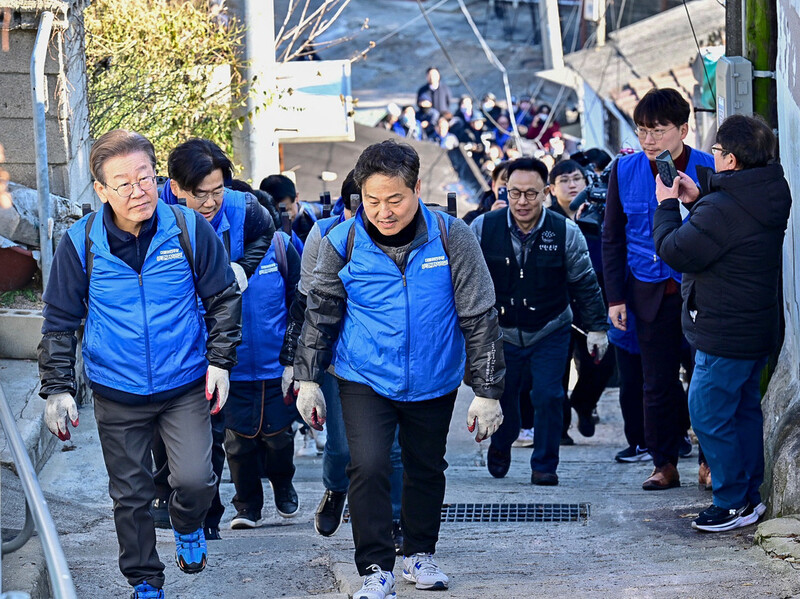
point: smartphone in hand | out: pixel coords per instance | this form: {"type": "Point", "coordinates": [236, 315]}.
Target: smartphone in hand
{"type": "Point", "coordinates": [666, 168]}
{"type": "Point", "coordinates": [502, 195]}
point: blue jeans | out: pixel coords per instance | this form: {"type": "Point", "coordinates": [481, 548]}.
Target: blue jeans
{"type": "Point", "coordinates": [545, 360]}
{"type": "Point", "coordinates": [725, 408]}
{"type": "Point", "coordinates": [337, 454]}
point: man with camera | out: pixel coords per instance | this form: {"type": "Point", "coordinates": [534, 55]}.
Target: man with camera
{"type": "Point", "coordinates": [636, 278]}
{"type": "Point", "coordinates": [539, 262]}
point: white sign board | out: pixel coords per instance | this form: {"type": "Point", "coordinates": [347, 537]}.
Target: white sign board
{"type": "Point", "coordinates": [315, 103]}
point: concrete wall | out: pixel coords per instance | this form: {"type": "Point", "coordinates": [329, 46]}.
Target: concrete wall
{"type": "Point", "coordinates": [67, 109]}
{"type": "Point", "coordinates": [781, 405]}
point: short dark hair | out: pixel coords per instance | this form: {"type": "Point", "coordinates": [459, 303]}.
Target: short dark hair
{"type": "Point", "coordinates": [429, 69]}
{"type": "Point", "coordinates": [195, 159]}
{"type": "Point", "coordinates": [279, 187]}
{"type": "Point", "coordinates": [564, 167]}
{"type": "Point", "coordinates": [749, 138]}
{"type": "Point", "coordinates": [239, 185]}
{"type": "Point", "coordinates": [661, 107]}
{"type": "Point", "coordinates": [118, 142]}
{"type": "Point", "coordinates": [388, 158]}
{"type": "Point", "coordinates": [528, 164]}
{"type": "Point", "coordinates": [266, 200]}
{"type": "Point", "coordinates": [349, 188]}
{"type": "Point", "coordinates": [499, 169]}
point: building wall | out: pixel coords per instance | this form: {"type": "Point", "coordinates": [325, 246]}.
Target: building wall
{"type": "Point", "coordinates": [781, 405]}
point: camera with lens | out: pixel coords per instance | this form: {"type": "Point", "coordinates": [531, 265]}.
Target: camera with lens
{"type": "Point", "coordinates": [591, 218]}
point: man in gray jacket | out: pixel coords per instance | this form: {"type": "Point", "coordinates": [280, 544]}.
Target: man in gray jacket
{"type": "Point", "coordinates": [539, 263]}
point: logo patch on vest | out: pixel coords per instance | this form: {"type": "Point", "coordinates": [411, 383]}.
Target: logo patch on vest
{"type": "Point", "coordinates": [173, 254]}
{"type": "Point", "coordinates": [435, 262]}
{"type": "Point", "coordinates": [267, 268]}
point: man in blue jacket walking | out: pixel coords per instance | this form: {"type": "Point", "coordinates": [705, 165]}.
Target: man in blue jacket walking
{"type": "Point", "coordinates": [135, 271]}
{"type": "Point", "coordinates": [397, 291]}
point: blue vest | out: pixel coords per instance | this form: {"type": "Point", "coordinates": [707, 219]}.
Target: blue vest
{"type": "Point", "coordinates": [326, 224]}
{"type": "Point", "coordinates": [264, 316]}
{"type": "Point", "coordinates": [637, 192]}
{"type": "Point", "coordinates": [144, 333]}
{"type": "Point", "coordinates": [229, 222]}
{"type": "Point", "coordinates": [400, 333]}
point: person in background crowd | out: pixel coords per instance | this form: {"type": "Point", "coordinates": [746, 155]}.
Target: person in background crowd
{"type": "Point", "coordinates": [539, 262]}
{"type": "Point", "coordinates": [406, 264]}
{"type": "Point", "coordinates": [489, 200]}
{"type": "Point", "coordinates": [637, 279]}
{"type": "Point", "coordinates": [435, 93]}
{"type": "Point", "coordinates": [442, 136]}
{"type": "Point", "coordinates": [135, 270]}
{"type": "Point", "coordinates": [730, 253]}
{"type": "Point", "coordinates": [285, 197]}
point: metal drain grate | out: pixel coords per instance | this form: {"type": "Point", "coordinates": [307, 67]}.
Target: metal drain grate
{"type": "Point", "coordinates": [510, 512]}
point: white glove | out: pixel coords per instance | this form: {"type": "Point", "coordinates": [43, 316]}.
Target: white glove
{"type": "Point", "coordinates": [311, 403]}
{"type": "Point", "coordinates": [486, 415]}
{"type": "Point", "coordinates": [217, 382]}
{"type": "Point", "coordinates": [60, 406]}
{"type": "Point", "coordinates": [241, 278]}
{"type": "Point", "coordinates": [597, 344]}
{"type": "Point", "coordinates": [286, 379]}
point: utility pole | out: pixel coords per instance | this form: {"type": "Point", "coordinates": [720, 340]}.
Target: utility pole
{"type": "Point", "coordinates": [733, 29]}
{"type": "Point", "coordinates": [255, 145]}
{"type": "Point", "coordinates": [761, 35]}
{"type": "Point", "coordinates": [552, 44]}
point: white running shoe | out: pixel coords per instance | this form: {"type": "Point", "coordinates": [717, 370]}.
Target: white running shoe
{"type": "Point", "coordinates": [309, 448]}
{"type": "Point", "coordinates": [422, 569]}
{"type": "Point", "coordinates": [378, 585]}
{"type": "Point", "coordinates": [752, 515]}
{"type": "Point", "coordinates": [320, 438]}
{"type": "Point", "coordinates": [525, 438]}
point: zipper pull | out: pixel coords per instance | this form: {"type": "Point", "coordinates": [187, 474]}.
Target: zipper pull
{"type": "Point", "coordinates": [512, 301]}
{"type": "Point", "coordinates": [404, 280]}
{"type": "Point", "coordinates": [525, 301]}
{"type": "Point", "coordinates": [140, 279]}
{"type": "Point", "coordinates": [655, 257]}
{"type": "Point", "coordinates": [508, 261]}
{"type": "Point", "coordinates": [521, 274]}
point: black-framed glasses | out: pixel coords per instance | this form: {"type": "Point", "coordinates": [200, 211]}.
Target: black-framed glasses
{"type": "Point", "coordinates": [126, 189]}
{"type": "Point", "coordinates": [656, 134]}
{"type": "Point", "coordinates": [530, 194]}
{"type": "Point", "coordinates": [720, 149]}
{"type": "Point", "coordinates": [202, 196]}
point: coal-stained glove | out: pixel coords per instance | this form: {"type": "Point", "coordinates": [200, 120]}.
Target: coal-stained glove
{"type": "Point", "coordinates": [286, 379]}
{"type": "Point", "coordinates": [60, 406]}
{"type": "Point", "coordinates": [311, 404]}
{"type": "Point", "coordinates": [241, 278]}
{"type": "Point", "coordinates": [597, 344]}
{"type": "Point", "coordinates": [217, 383]}
{"type": "Point", "coordinates": [485, 415]}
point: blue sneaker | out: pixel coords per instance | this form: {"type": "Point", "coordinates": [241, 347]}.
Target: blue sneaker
{"type": "Point", "coordinates": [190, 551]}
{"type": "Point", "coordinates": [145, 591]}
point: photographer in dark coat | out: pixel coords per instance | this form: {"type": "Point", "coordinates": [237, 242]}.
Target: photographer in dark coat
{"type": "Point", "coordinates": [730, 252]}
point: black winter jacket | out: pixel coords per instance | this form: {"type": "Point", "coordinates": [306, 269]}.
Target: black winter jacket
{"type": "Point", "coordinates": [730, 253]}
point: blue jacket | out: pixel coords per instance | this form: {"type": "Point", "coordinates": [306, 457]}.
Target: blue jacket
{"type": "Point", "coordinates": [153, 326]}
{"type": "Point", "coordinates": [398, 328]}
{"type": "Point", "coordinates": [637, 192]}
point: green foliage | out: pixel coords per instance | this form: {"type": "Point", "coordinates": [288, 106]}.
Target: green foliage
{"type": "Point", "coordinates": [153, 66]}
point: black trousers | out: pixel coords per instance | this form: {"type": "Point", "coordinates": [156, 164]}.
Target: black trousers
{"type": "Point", "coordinates": [665, 403]}
{"type": "Point", "coordinates": [630, 396]}
{"type": "Point", "coordinates": [370, 422]}
{"type": "Point", "coordinates": [161, 469]}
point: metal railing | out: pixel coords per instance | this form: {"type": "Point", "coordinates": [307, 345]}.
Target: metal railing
{"type": "Point", "coordinates": [36, 511]}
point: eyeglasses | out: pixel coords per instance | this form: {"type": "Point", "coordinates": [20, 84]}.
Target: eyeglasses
{"type": "Point", "coordinates": [202, 196]}
{"type": "Point", "coordinates": [656, 134]}
{"type": "Point", "coordinates": [719, 149]}
{"type": "Point", "coordinates": [530, 194]}
{"type": "Point", "coordinates": [126, 189]}
{"type": "Point", "coordinates": [568, 180]}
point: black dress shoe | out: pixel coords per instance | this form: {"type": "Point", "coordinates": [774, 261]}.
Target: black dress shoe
{"type": "Point", "coordinates": [160, 513]}
{"type": "Point", "coordinates": [212, 533]}
{"type": "Point", "coordinates": [566, 440]}
{"type": "Point", "coordinates": [498, 462]}
{"type": "Point", "coordinates": [328, 517]}
{"type": "Point", "coordinates": [586, 425]}
{"type": "Point", "coordinates": [549, 479]}
{"type": "Point", "coordinates": [397, 537]}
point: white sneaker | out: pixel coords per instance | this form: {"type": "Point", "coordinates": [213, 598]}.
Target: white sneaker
{"type": "Point", "coordinates": [320, 438]}
{"type": "Point", "coordinates": [525, 438]}
{"type": "Point", "coordinates": [422, 569]}
{"type": "Point", "coordinates": [378, 585]}
{"type": "Point", "coordinates": [752, 515]}
{"type": "Point", "coordinates": [309, 448]}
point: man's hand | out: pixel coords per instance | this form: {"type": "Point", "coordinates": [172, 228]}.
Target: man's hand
{"type": "Point", "coordinates": [217, 382]}
{"type": "Point", "coordinates": [486, 415]}
{"type": "Point", "coordinates": [60, 406]}
{"type": "Point", "coordinates": [311, 404]}
{"type": "Point", "coordinates": [618, 316]}
{"type": "Point", "coordinates": [286, 379]}
{"type": "Point", "coordinates": [683, 188]}
{"type": "Point", "coordinates": [241, 278]}
{"type": "Point", "coordinates": [597, 344]}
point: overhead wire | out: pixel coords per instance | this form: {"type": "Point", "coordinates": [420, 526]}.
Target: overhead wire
{"type": "Point", "coordinates": [705, 71]}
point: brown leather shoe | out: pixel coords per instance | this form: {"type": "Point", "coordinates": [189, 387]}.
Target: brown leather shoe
{"type": "Point", "coordinates": [664, 477]}
{"type": "Point", "coordinates": [704, 477]}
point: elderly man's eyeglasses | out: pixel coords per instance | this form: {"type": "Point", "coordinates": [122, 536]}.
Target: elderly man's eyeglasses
{"type": "Point", "coordinates": [656, 134]}
{"type": "Point", "coordinates": [715, 149]}
{"type": "Point", "coordinates": [530, 194]}
{"type": "Point", "coordinates": [126, 189]}
{"type": "Point", "coordinates": [202, 196]}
